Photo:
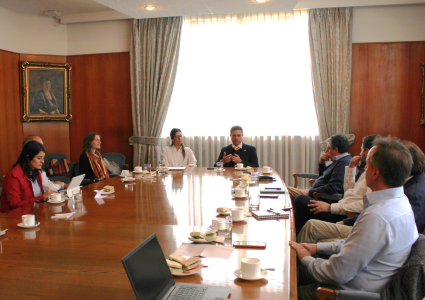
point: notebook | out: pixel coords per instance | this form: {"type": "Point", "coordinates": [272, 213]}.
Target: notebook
{"type": "Point", "coordinates": [271, 190]}
{"type": "Point", "coordinates": [73, 185]}
{"type": "Point", "coordinates": [264, 214]}
{"type": "Point", "coordinates": [151, 277]}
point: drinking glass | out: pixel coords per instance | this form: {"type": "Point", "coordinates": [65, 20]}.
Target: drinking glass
{"type": "Point", "coordinates": [254, 176]}
{"type": "Point", "coordinates": [147, 167]}
{"type": "Point", "coordinates": [219, 166]}
{"type": "Point", "coordinates": [161, 167]}
{"type": "Point", "coordinates": [224, 228]}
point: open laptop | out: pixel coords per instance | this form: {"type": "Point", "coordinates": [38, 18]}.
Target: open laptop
{"type": "Point", "coordinates": [151, 277]}
{"type": "Point", "coordinates": [73, 185]}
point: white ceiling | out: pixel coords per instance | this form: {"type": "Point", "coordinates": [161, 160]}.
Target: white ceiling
{"type": "Point", "coordinates": [74, 11]}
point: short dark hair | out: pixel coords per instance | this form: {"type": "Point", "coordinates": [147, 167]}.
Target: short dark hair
{"type": "Point", "coordinates": [393, 161]}
{"type": "Point", "coordinates": [88, 139]}
{"type": "Point", "coordinates": [339, 141]}
{"type": "Point", "coordinates": [368, 140]}
{"type": "Point", "coordinates": [29, 151]}
{"type": "Point", "coordinates": [28, 138]}
{"type": "Point", "coordinates": [236, 127]}
{"type": "Point", "coordinates": [417, 156]}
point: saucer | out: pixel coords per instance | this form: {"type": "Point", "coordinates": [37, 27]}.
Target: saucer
{"type": "Point", "coordinates": [56, 202]}
{"type": "Point", "coordinates": [237, 221]}
{"type": "Point", "coordinates": [107, 193]}
{"type": "Point", "coordinates": [243, 197]}
{"type": "Point", "coordinates": [225, 214]}
{"type": "Point", "coordinates": [266, 172]}
{"type": "Point", "coordinates": [128, 180]}
{"type": "Point", "coordinates": [137, 172]}
{"type": "Point", "coordinates": [197, 241]}
{"type": "Point", "coordinates": [28, 226]}
{"type": "Point", "coordinates": [238, 274]}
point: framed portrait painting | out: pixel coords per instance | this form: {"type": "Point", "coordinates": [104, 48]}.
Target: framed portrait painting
{"type": "Point", "coordinates": [46, 91]}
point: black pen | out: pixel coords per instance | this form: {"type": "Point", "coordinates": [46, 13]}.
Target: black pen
{"type": "Point", "coordinates": [271, 210]}
{"type": "Point", "coordinates": [273, 188]}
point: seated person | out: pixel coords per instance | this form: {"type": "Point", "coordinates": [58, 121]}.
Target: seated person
{"type": "Point", "coordinates": [91, 161]}
{"type": "Point", "coordinates": [177, 155]}
{"type": "Point", "coordinates": [306, 209]}
{"type": "Point", "coordinates": [238, 152]}
{"type": "Point", "coordinates": [381, 239]}
{"type": "Point", "coordinates": [414, 189]}
{"type": "Point", "coordinates": [23, 183]}
{"type": "Point", "coordinates": [47, 184]}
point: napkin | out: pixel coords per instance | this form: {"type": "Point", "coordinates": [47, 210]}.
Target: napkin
{"type": "Point", "coordinates": [63, 216]}
{"type": "Point", "coordinates": [3, 232]}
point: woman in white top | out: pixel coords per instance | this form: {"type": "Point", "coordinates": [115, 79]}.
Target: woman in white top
{"type": "Point", "coordinates": [177, 155]}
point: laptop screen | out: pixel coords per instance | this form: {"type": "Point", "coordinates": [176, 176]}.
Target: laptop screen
{"type": "Point", "coordinates": [147, 270]}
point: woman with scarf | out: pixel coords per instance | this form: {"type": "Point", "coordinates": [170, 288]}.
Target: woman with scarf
{"type": "Point", "coordinates": [91, 160]}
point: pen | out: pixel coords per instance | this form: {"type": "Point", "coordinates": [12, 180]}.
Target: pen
{"type": "Point", "coordinates": [271, 210]}
{"type": "Point", "coordinates": [273, 188]}
{"type": "Point", "coordinates": [269, 196]}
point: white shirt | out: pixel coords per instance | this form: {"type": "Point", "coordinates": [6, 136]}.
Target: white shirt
{"type": "Point", "coordinates": [378, 245]}
{"type": "Point", "coordinates": [47, 184]}
{"type": "Point", "coordinates": [174, 158]}
{"type": "Point", "coordinates": [354, 192]}
{"type": "Point", "coordinates": [239, 146]}
{"type": "Point", "coordinates": [36, 188]}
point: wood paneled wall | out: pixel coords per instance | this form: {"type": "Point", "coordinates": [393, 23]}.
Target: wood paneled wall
{"type": "Point", "coordinates": [55, 135]}
{"type": "Point", "coordinates": [386, 93]}
{"type": "Point", "coordinates": [101, 102]}
{"type": "Point", "coordinates": [10, 111]}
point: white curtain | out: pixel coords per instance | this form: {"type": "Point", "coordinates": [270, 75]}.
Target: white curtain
{"type": "Point", "coordinates": [286, 154]}
{"type": "Point", "coordinates": [251, 70]}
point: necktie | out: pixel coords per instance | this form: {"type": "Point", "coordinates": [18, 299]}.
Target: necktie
{"type": "Point", "coordinates": [236, 148]}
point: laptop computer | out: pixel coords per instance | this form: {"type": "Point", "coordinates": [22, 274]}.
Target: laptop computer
{"type": "Point", "coordinates": [151, 277]}
{"type": "Point", "coordinates": [73, 185]}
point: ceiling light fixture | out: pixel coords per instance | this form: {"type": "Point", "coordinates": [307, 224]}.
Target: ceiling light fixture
{"type": "Point", "coordinates": [260, 1]}
{"type": "Point", "coordinates": [150, 7]}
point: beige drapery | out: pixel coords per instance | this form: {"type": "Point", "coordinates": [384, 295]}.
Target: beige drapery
{"type": "Point", "coordinates": [331, 51]}
{"type": "Point", "coordinates": [154, 52]}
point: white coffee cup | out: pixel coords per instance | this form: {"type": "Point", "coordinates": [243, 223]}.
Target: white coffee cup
{"type": "Point", "coordinates": [56, 197]}
{"type": "Point", "coordinates": [237, 214]}
{"type": "Point", "coordinates": [266, 169]}
{"type": "Point", "coordinates": [240, 192]}
{"type": "Point", "coordinates": [250, 268]}
{"type": "Point", "coordinates": [28, 220]}
{"type": "Point", "coordinates": [124, 172]}
{"type": "Point", "coordinates": [138, 169]}
{"type": "Point", "coordinates": [214, 225]}
{"type": "Point", "coordinates": [239, 166]}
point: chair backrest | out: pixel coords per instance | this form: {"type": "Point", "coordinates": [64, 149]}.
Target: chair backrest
{"type": "Point", "coordinates": [115, 157]}
{"type": "Point", "coordinates": [409, 282]}
{"type": "Point", "coordinates": [51, 156]}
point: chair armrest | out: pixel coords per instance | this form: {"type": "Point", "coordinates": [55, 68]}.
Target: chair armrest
{"type": "Point", "coordinates": [324, 293]}
{"type": "Point", "coordinates": [330, 198]}
{"type": "Point", "coordinates": [312, 181]}
{"type": "Point", "coordinates": [304, 175]}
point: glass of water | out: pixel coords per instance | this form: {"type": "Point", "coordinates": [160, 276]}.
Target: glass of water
{"type": "Point", "coordinates": [161, 167]}
{"type": "Point", "coordinates": [225, 228]}
{"type": "Point", "coordinates": [219, 166]}
{"type": "Point", "coordinates": [147, 167]}
{"type": "Point", "coordinates": [254, 176]}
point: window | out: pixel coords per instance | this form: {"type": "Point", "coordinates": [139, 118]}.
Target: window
{"type": "Point", "coordinates": [251, 70]}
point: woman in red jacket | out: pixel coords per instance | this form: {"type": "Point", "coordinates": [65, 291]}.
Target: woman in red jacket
{"type": "Point", "coordinates": [22, 185]}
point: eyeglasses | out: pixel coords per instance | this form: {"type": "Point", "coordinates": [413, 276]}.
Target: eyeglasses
{"type": "Point", "coordinates": [178, 136]}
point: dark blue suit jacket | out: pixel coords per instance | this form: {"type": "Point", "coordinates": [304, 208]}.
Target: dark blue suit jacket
{"type": "Point", "coordinates": [414, 189]}
{"type": "Point", "coordinates": [248, 154]}
{"type": "Point", "coordinates": [331, 180]}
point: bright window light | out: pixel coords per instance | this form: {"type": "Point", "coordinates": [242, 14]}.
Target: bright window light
{"type": "Point", "coordinates": [251, 70]}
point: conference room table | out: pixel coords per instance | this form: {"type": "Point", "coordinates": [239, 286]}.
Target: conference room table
{"type": "Point", "coordinates": [80, 257]}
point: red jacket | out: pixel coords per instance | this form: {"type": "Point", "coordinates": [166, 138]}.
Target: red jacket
{"type": "Point", "coordinates": [17, 190]}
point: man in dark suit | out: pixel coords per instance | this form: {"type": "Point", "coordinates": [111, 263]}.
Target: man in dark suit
{"type": "Point", "coordinates": [238, 152]}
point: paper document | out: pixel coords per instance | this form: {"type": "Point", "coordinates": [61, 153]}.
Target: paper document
{"type": "Point", "coordinates": [204, 250]}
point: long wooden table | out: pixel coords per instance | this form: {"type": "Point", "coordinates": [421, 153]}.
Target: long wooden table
{"type": "Point", "coordinates": [81, 258]}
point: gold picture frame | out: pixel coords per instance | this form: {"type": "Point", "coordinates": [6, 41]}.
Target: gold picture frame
{"type": "Point", "coordinates": [46, 91]}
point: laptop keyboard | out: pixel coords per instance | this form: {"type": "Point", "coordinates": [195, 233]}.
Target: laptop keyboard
{"type": "Point", "coordinates": [184, 292]}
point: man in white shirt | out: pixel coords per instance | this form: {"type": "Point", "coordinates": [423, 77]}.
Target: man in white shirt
{"type": "Point", "coordinates": [352, 201]}
{"type": "Point", "coordinates": [47, 184]}
{"type": "Point", "coordinates": [381, 239]}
